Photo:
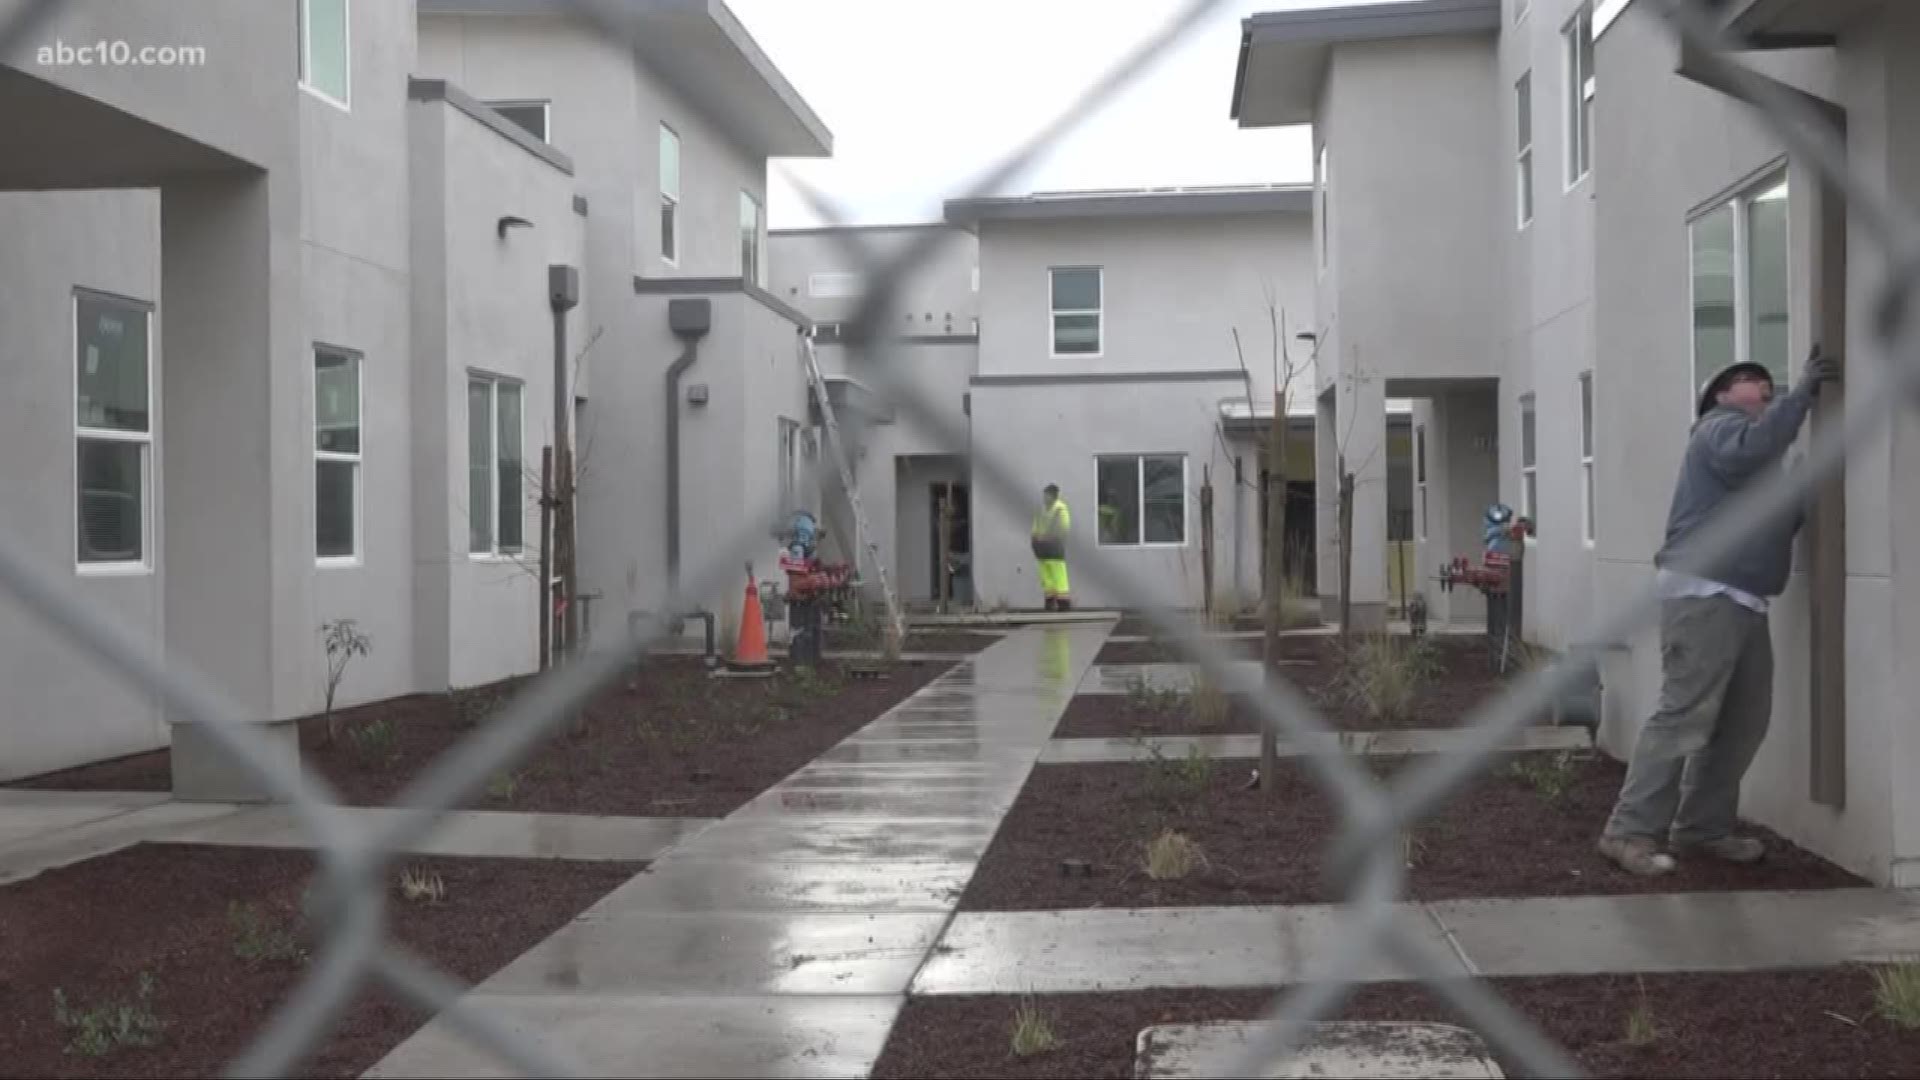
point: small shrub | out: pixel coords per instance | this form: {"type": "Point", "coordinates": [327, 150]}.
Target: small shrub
{"type": "Point", "coordinates": [1896, 994]}
{"type": "Point", "coordinates": [374, 741]}
{"type": "Point", "coordinates": [1032, 1031]}
{"type": "Point", "coordinates": [256, 939]}
{"type": "Point", "coordinates": [1383, 676]}
{"type": "Point", "coordinates": [1208, 704]}
{"type": "Point", "coordinates": [503, 785]}
{"type": "Point", "coordinates": [104, 1028]}
{"type": "Point", "coordinates": [1172, 856]}
{"type": "Point", "coordinates": [419, 884]}
{"type": "Point", "coordinates": [1550, 778]}
{"type": "Point", "coordinates": [343, 641]}
{"type": "Point", "coordinates": [1175, 781]}
{"type": "Point", "coordinates": [1641, 1029]}
{"type": "Point", "coordinates": [472, 707]}
{"type": "Point", "coordinates": [1143, 696]}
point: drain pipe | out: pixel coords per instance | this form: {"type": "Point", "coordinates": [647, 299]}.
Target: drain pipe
{"type": "Point", "coordinates": [690, 319]}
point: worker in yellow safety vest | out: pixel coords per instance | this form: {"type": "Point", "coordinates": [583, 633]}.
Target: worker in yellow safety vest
{"type": "Point", "coordinates": [1050, 527]}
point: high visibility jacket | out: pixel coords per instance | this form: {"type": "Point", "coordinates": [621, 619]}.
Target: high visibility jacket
{"type": "Point", "coordinates": [1053, 524]}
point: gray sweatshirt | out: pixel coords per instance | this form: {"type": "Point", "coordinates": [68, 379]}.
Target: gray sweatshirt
{"type": "Point", "coordinates": [1727, 451]}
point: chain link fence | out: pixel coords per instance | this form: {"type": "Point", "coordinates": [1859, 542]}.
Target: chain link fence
{"type": "Point", "coordinates": [1365, 859]}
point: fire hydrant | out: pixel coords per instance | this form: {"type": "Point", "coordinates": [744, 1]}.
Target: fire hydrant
{"type": "Point", "coordinates": [1500, 578]}
{"type": "Point", "coordinates": [813, 587]}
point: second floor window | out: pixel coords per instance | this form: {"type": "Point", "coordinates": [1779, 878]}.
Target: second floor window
{"type": "Point", "coordinates": [1076, 310]}
{"type": "Point", "coordinates": [1523, 110]}
{"type": "Point", "coordinates": [751, 264]}
{"type": "Point", "coordinates": [1578, 38]}
{"type": "Point", "coordinates": [325, 51]}
{"type": "Point", "coordinates": [669, 195]}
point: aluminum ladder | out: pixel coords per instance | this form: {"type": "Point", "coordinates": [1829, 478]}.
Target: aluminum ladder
{"type": "Point", "coordinates": [863, 536]}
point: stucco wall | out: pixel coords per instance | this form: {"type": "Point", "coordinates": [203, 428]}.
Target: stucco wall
{"type": "Point", "coordinates": [940, 296]}
{"type": "Point", "coordinates": [60, 707]}
{"type": "Point", "coordinates": [1052, 434]}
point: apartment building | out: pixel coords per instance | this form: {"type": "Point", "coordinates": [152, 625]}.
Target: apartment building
{"type": "Point", "coordinates": [1547, 222]}
{"type": "Point", "coordinates": [1089, 340]}
{"type": "Point", "coordinates": [289, 313]}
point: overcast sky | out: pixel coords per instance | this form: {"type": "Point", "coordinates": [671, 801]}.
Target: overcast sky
{"type": "Point", "coordinates": [922, 96]}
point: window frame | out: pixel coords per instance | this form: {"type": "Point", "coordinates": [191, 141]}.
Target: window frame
{"type": "Point", "coordinates": [787, 464]}
{"type": "Point", "coordinates": [1323, 196]}
{"type": "Point", "coordinates": [147, 440]}
{"type": "Point", "coordinates": [304, 19]}
{"type": "Point", "coordinates": [495, 552]}
{"type": "Point", "coordinates": [1140, 494]}
{"type": "Point", "coordinates": [1530, 462]}
{"type": "Point", "coordinates": [1099, 315]}
{"type": "Point", "coordinates": [1420, 481]}
{"type": "Point", "coordinates": [1524, 193]}
{"type": "Point", "coordinates": [669, 202]}
{"type": "Point", "coordinates": [1589, 509]}
{"type": "Point", "coordinates": [1738, 202]}
{"type": "Point", "coordinates": [1577, 91]}
{"type": "Point", "coordinates": [546, 114]}
{"type": "Point", "coordinates": [753, 259]}
{"type": "Point", "coordinates": [356, 459]}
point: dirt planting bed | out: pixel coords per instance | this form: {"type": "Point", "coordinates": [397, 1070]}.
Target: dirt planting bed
{"type": "Point", "coordinates": [201, 944]}
{"type": "Point", "coordinates": [1356, 696]}
{"type": "Point", "coordinates": [675, 743]}
{"type": "Point", "coordinates": [1526, 829]}
{"type": "Point", "coordinates": [1815, 1023]}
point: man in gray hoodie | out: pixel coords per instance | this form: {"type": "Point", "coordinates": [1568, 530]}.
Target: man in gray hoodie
{"type": "Point", "coordinates": [1716, 651]}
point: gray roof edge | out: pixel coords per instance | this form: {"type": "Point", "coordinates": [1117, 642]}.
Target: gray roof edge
{"type": "Point", "coordinates": [646, 286]}
{"type": "Point", "coordinates": [442, 90]}
{"type": "Point", "coordinates": [1406, 18]}
{"type": "Point", "coordinates": [770, 74]}
{"type": "Point", "coordinates": [1290, 199]}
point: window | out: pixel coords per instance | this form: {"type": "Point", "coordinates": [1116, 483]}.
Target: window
{"type": "Point", "coordinates": [336, 453]}
{"type": "Point", "coordinates": [1523, 169]}
{"type": "Point", "coordinates": [326, 66]}
{"type": "Point", "coordinates": [1529, 472]}
{"type": "Point", "coordinates": [835, 284]}
{"type": "Point", "coordinates": [113, 428]}
{"type": "Point", "coordinates": [1076, 311]}
{"type": "Point", "coordinates": [1420, 476]}
{"type": "Point", "coordinates": [532, 116]}
{"type": "Point", "coordinates": [1578, 38]}
{"type": "Point", "coordinates": [1325, 229]}
{"type": "Point", "coordinates": [1741, 299]}
{"type": "Point", "coordinates": [1586, 456]}
{"type": "Point", "coordinates": [1143, 500]}
{"type": "Point", "coordinates": [788, 465]}
{"type": "Point", "coordinates": [669, 195]}
{"type": "Point", "coordinates": [496, 519]}
{"type": "Point", "coordinates": [751, 265]}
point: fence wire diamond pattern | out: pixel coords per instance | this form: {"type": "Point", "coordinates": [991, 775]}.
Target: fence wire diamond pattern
{"type": "Point", "coordinates": [1365, 858]}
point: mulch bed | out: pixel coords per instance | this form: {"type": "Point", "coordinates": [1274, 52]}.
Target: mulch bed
{"type": "Point", "coordinates": [1461, 681]}
{"type": "Point", "coordinates": [1502, 837]}
{"type": "Point", "coordinates": [942, 641]}
{"type": "Point", "coordinates": [166, 912]}
{"type": "Point", "coordinates": [1751, 1024]}
{"type": "Point", "coordinates": [678, 743]}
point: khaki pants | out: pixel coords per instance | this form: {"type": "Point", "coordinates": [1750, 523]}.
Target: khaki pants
{"type": "Point", "coordinates": [1716, 700]}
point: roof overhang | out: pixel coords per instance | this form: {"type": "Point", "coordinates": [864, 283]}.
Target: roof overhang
{"type": "Point", "coordinates": [701, 50]}
{"type": "Point", "coordinates": [1134, 203]}
{"type": "Point", "coordinates": [1793, 24]}
{"type": "Point", "coordinates": [1284, 54]}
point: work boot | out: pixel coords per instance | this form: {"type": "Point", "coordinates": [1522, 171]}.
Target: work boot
{"type": "Point", "coordinates": [1065, 604]}
{"type": "Point", "coordinates": [1637, 855]}
{"type": "Point", "coordinates": [1740, 850]}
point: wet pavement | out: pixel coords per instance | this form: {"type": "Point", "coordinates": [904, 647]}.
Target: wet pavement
{"type": "Point", "coordinates": [782, 940]}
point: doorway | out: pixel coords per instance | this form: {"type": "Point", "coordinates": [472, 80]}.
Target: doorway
{"type": "Point", "coordinates": [959, 541]}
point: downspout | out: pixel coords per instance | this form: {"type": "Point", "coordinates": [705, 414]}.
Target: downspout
{"type": "Point", "coordinates": [690, 319]}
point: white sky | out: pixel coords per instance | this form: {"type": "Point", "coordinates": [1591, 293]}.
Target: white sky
{"type": "Point", "coordinates": [923, 96]}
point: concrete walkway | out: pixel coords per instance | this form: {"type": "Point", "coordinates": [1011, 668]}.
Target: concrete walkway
{"type": "Point", "coordinates": [1239, 947]}
{"type": "Point", "coordinates": [42, 830]}
{"type": "Point", "coordinates": [1384, 743]}
{"type": "Point", "coordinates": [782, 941]}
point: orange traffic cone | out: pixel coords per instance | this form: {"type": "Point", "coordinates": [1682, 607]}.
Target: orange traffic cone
{"type": "Point", "coordinates": [750, 649]}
